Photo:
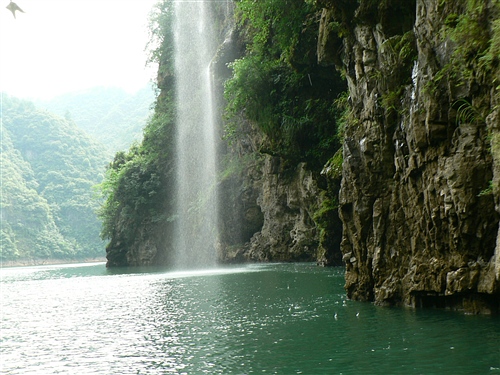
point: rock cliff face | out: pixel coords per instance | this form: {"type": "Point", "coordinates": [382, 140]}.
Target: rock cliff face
{"type": "Point", "coordinates": [269, 209]}
{"type": "Point", "coordinates": [420, 176]}
{"type": "Point", "coordinates": [274, 208]}
{"type": "Point", "coordinates": [280, 209]}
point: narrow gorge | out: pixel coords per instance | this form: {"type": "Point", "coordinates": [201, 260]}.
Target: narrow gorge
{"type": "Point", "coordinates": [359, 134]}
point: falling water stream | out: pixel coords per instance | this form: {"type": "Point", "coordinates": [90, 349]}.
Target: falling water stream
{"type": "Point", "coordinates": [196, 152]}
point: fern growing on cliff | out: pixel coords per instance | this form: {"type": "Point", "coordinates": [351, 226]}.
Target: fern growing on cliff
{"type": "Point", "coordinates": [467, 113]}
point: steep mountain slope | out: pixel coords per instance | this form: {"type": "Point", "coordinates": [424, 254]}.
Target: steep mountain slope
{"type": "Point", "coordinates": [112, 116]}
{"type": "Point", "coordinates": [28, 228]}
{"type": "Point", "coordinates": [48, 173]}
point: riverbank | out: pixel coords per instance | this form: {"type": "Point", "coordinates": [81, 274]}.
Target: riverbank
{"type": "Point", "coordinates": [26, 262]}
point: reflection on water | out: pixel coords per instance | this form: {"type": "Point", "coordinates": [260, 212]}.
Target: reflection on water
{"type": "Point", "coordinates": [273, 318]}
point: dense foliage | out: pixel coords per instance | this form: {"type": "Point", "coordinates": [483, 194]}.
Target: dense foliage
{"type": "Point", "coordinates": [112, 116]}
{"type": "Point", "coordinates": [49, 168]}
{"type": "Point", "coordinates": [138, 181]}
{"type": "Point", "coordinates": [278, 83]}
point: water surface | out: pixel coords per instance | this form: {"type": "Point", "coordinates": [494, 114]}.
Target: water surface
{"type": "Point", "coordinates": [266, 319]}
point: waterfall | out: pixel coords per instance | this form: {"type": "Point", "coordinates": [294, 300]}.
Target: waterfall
{"type": "Point", "coordinates": [196, 141]}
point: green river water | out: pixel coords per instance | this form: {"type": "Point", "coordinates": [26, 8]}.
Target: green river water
{"type": "Point", "coordinates": [252, 319]}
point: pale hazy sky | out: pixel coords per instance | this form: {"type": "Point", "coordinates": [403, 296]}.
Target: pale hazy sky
{"type": "Point", "coordinates": [59, 46]}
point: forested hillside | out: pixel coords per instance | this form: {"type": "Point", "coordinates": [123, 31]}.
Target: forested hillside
{"type": "Point", "coordinates": [111, 115]}
{"type": "Point", "coordinates": [49, 169]}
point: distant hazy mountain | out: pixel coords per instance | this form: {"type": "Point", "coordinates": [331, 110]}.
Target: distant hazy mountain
{"type": "Point", "coordinates": [111, 115]}
{"type": "Point", "coordinates": [49, 169]}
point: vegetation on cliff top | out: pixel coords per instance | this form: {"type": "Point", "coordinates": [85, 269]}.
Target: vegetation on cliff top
{"type": "Point", "coordinates": [279, 85]}
{"type": "Point", "coordinates": [138, 182]}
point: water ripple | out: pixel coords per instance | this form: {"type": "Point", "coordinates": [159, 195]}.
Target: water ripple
{"type": "Point", "coordinates": [280, 319]}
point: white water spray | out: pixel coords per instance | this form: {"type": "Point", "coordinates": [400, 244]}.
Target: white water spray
{"type": "Point", "coordinates": [196, 148]}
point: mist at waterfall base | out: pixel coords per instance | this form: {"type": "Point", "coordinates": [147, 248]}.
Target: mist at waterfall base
{"type": "Point", "coordinates": [262, 318]}
{"type": "Point", "coordinates": [196, 137]}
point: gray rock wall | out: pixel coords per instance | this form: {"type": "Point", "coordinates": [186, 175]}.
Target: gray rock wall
{"type": "Point", "coordinates": [268, 207]}
{"type": "Point", "coordinates": [420, 225]}
{"type": "Point", "coordinates": [287, 202]}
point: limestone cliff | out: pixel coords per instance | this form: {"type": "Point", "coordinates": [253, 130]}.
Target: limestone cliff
{"type": "Point", "coordinates": [276, 203]}
{"type": "Point", "coordinates": [272, 213]}
{"type": "Point", "coordinates": [419, 198]}
{"type": "Point", "coordinates": [270, 208]}
{"type": "Point", "coordinates": [420, 171]}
